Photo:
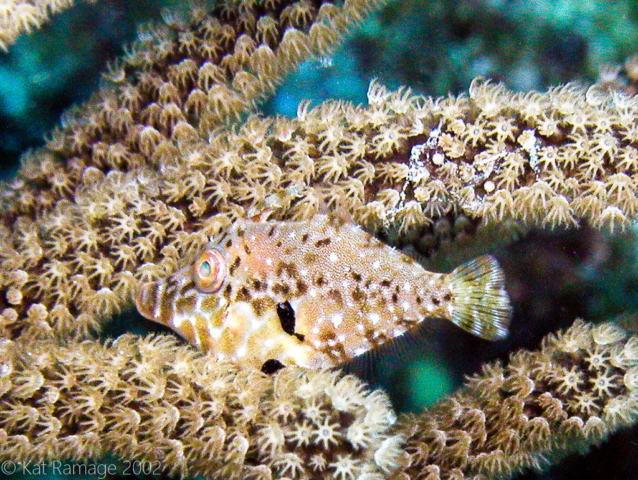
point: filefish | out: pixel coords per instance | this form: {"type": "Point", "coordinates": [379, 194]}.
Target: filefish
{"type": "Point", "coordinates": [316, 293]}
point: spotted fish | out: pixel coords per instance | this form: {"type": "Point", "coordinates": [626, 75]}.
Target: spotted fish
{"type": "Point", "coordinates": [316, 293]}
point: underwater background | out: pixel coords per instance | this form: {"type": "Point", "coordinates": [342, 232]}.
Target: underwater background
{"type": "Point", "coordinates": [436, 48]}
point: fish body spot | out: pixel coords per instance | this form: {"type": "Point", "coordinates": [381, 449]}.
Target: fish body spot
{"type": "Point", "coordinates": [324, 242]}
{"type": "Point", "coordinates": [286, 317]}
{"type": "Point", "coordinates": [271, 366]}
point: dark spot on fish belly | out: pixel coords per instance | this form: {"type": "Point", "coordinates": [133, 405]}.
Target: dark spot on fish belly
{"type": "Point", "coordinates": [243, 295]}
{"type": "Point", "coordinates": [436, 301]}
{"type": "Point", "coordinates": [260, 305]}
{"type": "Point", "coordinates": [247, 249]}
{"type": "Point", "coordinates": [377, 338]}
{"type": "Point", "coordinates": [287, 319]}
{"type": "Point", "coordinates": [395, 298]}
{"type": "Point", "coordinates": [332, 348]}
{"type": "Point", "coordinates": [281, 289]}
{"type": "Point", "coordinates": [304, 238]}
{"type": "Point", "coordinates": [447, 297]}
{"type": "Point", "coordinates": [355, 276]}
{"type": "Point", "coordinates": [323, 242]}
{"type": "Point", "coordinates": [271, 366]}
{"type": "Point", "coordinates": [258, 285]}
{"type": "Point", "coordinates": [271, 232]}
{"type": "Point", "coordinates": [229, 243]}
{"type": "Point", "coordinates": [385, 283]}
{"type": "Point", "coordinates": [335, 295]}
{"type": "Point", "coordinates": [320, 281]}
{"type": "Point", "coordinates": [287, 268]}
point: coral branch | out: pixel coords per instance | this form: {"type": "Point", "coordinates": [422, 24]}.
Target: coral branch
{"type": "Point", "coordinates": [580, 387]}
{"type": "Point", "coordinates": [403, 166]}
{"type": "Point", "coordinates": [151, 399]}
{"type": "Point", "coordinates": [178, 81]}
{"type": "Point", "coordinates": [143, 174]}
{"type": "Point", "coordinates": [19, 16]}
{"type": "Point", "coordinates": [155, 400]}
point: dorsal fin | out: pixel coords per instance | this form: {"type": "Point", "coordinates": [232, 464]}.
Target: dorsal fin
{"type": "Point", "coordinates": [340, 217]}
{"type": "Point", "coordinates": [261, 216]}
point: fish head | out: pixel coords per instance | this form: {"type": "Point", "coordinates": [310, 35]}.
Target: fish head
{"type": "Point", "coordinates": [190, 301]}
{"type": "Point", "coordinates": [219, 308]}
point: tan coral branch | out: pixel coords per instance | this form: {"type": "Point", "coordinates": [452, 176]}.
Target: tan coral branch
{"type": "Point", "coordinates": [23, 16]}
{"type": "Point", "coordinates": [154, 400]}
{"type": "Point", "coordinates": [179, 80]}
{"type": "Point", "coordinates": [407, 167]}
{"type": "Point", "coordinates": [580, 387]}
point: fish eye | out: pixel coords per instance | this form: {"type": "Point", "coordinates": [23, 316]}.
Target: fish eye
{"type": "Point", "coordinates": [204, 269]}
{"type": "Point", "coordinates": [209, 271]}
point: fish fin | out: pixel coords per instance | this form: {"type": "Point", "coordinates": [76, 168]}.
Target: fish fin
{"type": "Point", "coordinates": [340, 217]}
{"type": "Point", "coordinates": [261, 216]}
{"type": "Point", "coordinates": [481, 304]}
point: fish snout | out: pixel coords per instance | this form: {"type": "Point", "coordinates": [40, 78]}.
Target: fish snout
{"type": "Point", "coordinates": [146, 300]}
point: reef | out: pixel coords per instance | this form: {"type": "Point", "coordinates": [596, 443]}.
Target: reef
{"type": "Point", "coordinates": [170, 152]}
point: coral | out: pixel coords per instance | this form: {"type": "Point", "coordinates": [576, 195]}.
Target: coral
{"type": "Point", "coordinates": [178, 81]}
{"type": "Point", "coordinates": [564, 398]}
{"type": "Point", "coordinates": [140, 224]}
{"type": "Point", "coordinates": [18, 16]}
{"type": "Point", "coordinates": [152, 399]}
{"type": "Point", "coordinates": [166, 155]}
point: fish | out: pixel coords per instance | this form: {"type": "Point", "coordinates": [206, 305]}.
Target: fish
{"type": "Point", "coordinates": [316, 294]}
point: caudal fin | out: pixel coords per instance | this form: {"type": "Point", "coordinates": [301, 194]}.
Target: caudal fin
{"type": "Point", "coordinates": [481, 304]}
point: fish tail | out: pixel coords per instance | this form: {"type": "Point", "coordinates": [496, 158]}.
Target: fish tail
{"type": "Point", "coordinates": [481, 304]}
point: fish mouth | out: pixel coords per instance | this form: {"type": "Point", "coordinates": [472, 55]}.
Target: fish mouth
{"type": "Point", "coordinates": [146, 300]}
